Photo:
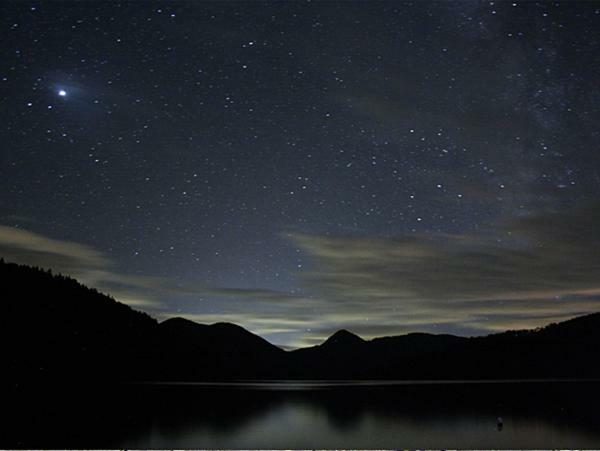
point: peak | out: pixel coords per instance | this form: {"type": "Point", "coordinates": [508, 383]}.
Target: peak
{"type": "Point", "coordinates": [343, 337]}
{"type": "Point", "coordinates": [228, 327]}
{"type": "Point", "coordinates": [175, 320]}
{"type": "Point", "coordinates": [178, 321]}
{"type": "Point", "coordinates": [223, 324]}
{"type": "Point", "coordinates": [344, 333]}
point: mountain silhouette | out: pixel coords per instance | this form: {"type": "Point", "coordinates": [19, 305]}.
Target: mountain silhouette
{"type": "Point", "coordinates": [343, 339]}
{"type": "Point", "coordinates": [55, 329]}
{"type": "Point", "coordinates": [51, 326]}
{"type": "Point", "coordinates": [192, 351]}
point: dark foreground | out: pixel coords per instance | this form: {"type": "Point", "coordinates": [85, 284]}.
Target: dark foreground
{"type": "Point", "coordinates": [463, 415]}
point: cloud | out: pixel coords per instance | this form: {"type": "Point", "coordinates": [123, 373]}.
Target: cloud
{"type": "Point", "coordinates": [84, 263]}
{"type": "Point", "coordinates": [533, 270]}
{"type": "Point", "coordinates": [18, 243]}
{"type": "Point", "coordinates": [253, 293]}
{"type": "Point", "coordinates": [545, 268]}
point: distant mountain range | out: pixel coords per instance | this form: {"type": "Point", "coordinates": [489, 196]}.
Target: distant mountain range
{"type": "Point", "coordinates": [53, 328]}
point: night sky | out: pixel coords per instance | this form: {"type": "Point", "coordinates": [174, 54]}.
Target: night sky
{"type": "Point", "coordinates": [301, 167]}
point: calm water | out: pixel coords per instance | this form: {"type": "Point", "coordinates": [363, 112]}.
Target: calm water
{"type": "Point", "coordinates": [309, 415]}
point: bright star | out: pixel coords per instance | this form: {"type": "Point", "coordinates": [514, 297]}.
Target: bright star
{"type": "Point", "coordinates": [62, 93]}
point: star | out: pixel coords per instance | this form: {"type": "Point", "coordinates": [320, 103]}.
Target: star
{"type": "Point", "coordinates": [227, 160]}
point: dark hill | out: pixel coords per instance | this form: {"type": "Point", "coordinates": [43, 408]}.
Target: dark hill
{"type": "Point", "coordinates": [347, 356]}
{"type": "Point", "coordinates": [192, 351]}
{"type": "Point", "coordinates": [226, 335]}
{"type": "Point", "coordinates": [565, 350]}
{"type": "Point", "coordinates": [342, 339]}
{"type": "Point", "coordinates": [53, 328]}
{"type": "Point", "coordinates": [51, 325]}
{"type": "Point", "coordinates": [341, 356]}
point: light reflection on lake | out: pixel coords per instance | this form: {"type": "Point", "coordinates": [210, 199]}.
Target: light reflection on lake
{"type": "Point", "coordinates": [324, 415]}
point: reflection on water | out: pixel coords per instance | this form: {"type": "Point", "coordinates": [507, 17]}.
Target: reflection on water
{"type": "Point", "coordinates": [312, 415]}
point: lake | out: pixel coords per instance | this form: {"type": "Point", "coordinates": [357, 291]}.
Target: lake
{"type": "Point", "coordinates": [308, 415]}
